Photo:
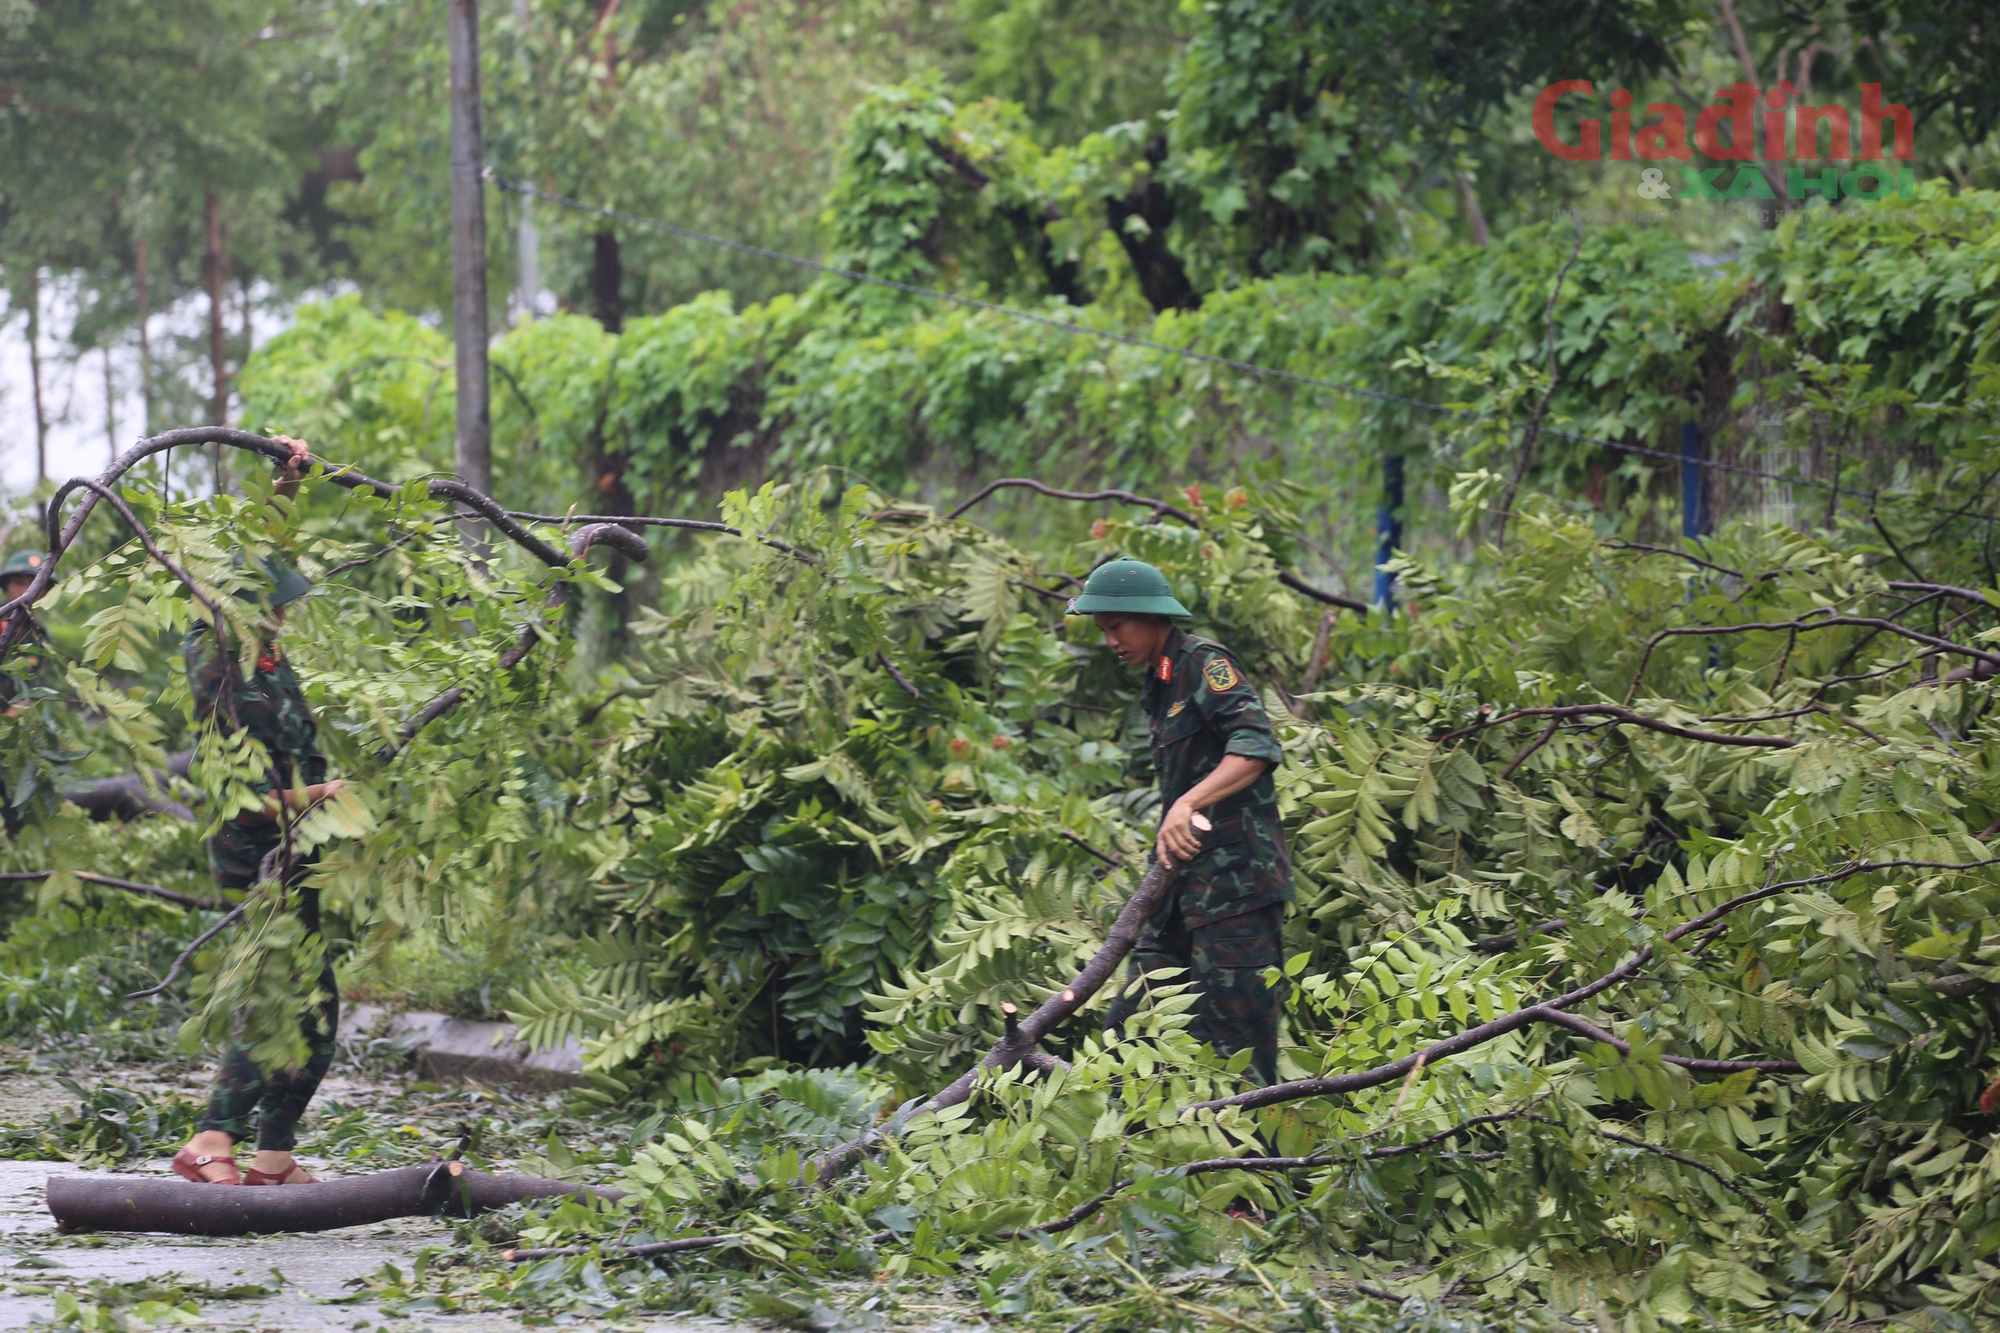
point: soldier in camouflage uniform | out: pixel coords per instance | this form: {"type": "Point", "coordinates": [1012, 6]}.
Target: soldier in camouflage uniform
{"type": "Point", "coordinates": [270, 705]}
{"type": "Point", "coordinates": [24, 667]}
{"type": "Point", "coordinates": [1223, 918]}
{"type": "Point", "coordinates": [15, 576]}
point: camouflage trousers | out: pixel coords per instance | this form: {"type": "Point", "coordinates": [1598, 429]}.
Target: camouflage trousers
{"type": "Point", "coordinates": [277, 1097]}
{"type": "Point", "coordinates": [1226, 961]}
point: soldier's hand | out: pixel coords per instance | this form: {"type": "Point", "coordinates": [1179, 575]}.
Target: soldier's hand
{"type": "Point", "coordinates": [1180, 836]}
{"type": "Point", "coordinates": [301, 454]}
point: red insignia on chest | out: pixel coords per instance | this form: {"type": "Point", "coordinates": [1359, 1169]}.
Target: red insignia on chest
{"type": "Point", "coordinates": [1166, 669]}
{"type": "Point", "coordinates": [267, 661]}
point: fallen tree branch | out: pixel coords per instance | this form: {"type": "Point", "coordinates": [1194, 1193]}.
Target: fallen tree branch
{"type": "Point", "coordinates": [14, 615]}
{"type": "Point", "coordinates": [1584, 1027]}
{"type": "Point", "coordinates": [1019, 1041]}
{"type": "Point", "coordinates": [1394, 1070]}
{"type": "Point", "coordinates": [15, 612]}
{"type": "Point", "coordinates": [1615, 713]}
{"type": "Point", "coordinates": [130, 796]}
{"type": "Point", "coordinates": [1831, 620]}
{"type": "Point", "coordinates": [133, 885]}
{"type": "Point", "coordinates": [1090, 1207]}
{"type": "Point", "coordinates": [142, 1203]}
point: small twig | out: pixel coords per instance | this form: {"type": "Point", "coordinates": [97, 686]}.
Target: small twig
{"type": "Point", "coordinates": [1036, 588]}
{"type": "Point", "coordinates": [189, 952]}
{"type": "Point", "coordinates": [1548, 733]}
{"type": "Point", "coordinates": [1109, 858]}
{"type": "Point", "coordinates": [356, 563]}
{"type": "Point", "coordinates": [908, 685]}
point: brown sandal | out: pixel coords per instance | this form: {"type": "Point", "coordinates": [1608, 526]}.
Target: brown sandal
{"type": "Point", "coordinates": [189, 1165]}
{"type": "Point", "coordinates": [256, 1177]}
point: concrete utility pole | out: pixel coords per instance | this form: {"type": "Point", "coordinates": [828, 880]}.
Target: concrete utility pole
{"type": "Point", "coordinates": [468, 249]}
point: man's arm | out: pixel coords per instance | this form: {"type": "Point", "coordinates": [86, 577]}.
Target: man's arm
{"type": "Point", "coordinates": [1178, 842]}
{"type": "Point", "coordinates": [286, 798]}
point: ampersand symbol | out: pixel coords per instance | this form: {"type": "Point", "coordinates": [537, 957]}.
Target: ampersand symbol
{"type": "Point", "coordinates": [1653, 185]}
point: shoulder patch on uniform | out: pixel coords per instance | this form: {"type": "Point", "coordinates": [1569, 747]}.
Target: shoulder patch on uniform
{"type": "Point", "coordinates": [1220, 673]}
{"type": "Point", "coordinates": [1178, 705]}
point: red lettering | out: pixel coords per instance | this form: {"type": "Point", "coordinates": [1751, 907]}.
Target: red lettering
{"type": "Point", "coordinates": [1737, 104]}
{"type": "Point", "coordinates": [1873, 113]}
{"type": "Point", "coordinates": [1586, 147]}
{"type": "Point", "coordinates": [1774, 120]}
{"type": "Point", "coordinates": [1621, 126]}
{"type": "Point", "coordinates": [1667, 140]}
{"type": "Point", "coordinates": [1840, 146]}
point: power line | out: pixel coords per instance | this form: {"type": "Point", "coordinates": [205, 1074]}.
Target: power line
{"type": "Point", "coordinates": [1074, 329]}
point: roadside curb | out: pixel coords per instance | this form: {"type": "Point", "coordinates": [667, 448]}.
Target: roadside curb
{"type": "Point", "coordinates": [447, 1048]}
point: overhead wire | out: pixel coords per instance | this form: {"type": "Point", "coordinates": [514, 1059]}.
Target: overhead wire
{"type": "Point", "coordinates": [1076, 329]}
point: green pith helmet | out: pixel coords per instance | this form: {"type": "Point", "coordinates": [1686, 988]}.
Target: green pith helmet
{"type": "Point", "coordinates": [287, 584]}
{"type": "Point", "coordinates": [23, 562]}
{"type": "Point", "coordinates": [1129, 588]}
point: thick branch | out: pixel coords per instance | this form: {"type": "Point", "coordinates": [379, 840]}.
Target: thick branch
{"type": "Point", "coordinates": [1019, 1041]}
{"type": "Point", "coordinates": [1617, 713]}
{"type": "Point", "coordinates": [15, 612]}
{"type": "Point", "coordinates": [1548, 1010]}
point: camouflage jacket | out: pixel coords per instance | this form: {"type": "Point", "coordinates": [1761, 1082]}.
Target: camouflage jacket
{"type": "Point", "coordinates": [1201, 708]}
{"type": "Point", "coordinates": [24, 669]}
{"type": "Point", "coordinates": [271, 706]}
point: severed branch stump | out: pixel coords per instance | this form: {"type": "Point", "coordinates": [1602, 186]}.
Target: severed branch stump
{"type": "Point", "coordinates": [149, 1203]}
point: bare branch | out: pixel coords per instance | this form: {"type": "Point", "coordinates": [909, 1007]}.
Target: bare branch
{"type": "Point", "coordinates": [1158, 507]}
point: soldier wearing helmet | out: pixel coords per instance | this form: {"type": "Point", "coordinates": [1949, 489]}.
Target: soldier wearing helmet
{"type": "Point", "coordinates": [18, 573]}
{"type": "Point", "coordinates": [1213, 748]}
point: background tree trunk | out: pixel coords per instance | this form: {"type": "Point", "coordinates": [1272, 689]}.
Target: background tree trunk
{"type": "Point", "coordinates": [218, 361]}
{"type": "Point", "coordinates": [35, 372]}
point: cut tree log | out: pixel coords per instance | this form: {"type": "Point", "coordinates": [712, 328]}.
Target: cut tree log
{"type": "Point", "coordinates": [149, 1203]}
